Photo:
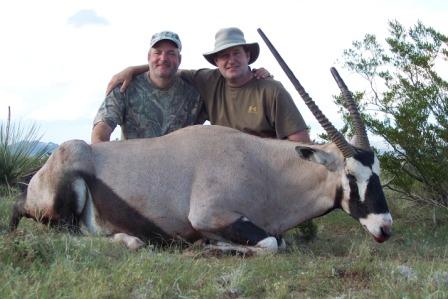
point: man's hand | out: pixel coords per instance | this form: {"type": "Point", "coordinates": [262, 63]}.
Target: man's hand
{"type": "Point", "coordinates": [300, 136]}
{"type": "Point", "coordinates": [261, 73]}
{"type": "Point", "coordinates": [125, 77]}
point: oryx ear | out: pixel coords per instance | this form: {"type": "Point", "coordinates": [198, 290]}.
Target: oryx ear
{"type": "Point", "coordinates": [317, 156]}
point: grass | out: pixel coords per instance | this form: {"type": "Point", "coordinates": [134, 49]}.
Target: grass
{"type": "Point", "coordinates": [342, 262]}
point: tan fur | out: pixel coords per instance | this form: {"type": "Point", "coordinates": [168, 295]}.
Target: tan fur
{"type": "Point", "coordinates": [199, 179]}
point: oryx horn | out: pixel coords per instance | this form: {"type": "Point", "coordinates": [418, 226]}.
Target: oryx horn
{"type": "Point", "coordinates": [361, 139]}
{"type": "Point", "coordinates": [346, 149]}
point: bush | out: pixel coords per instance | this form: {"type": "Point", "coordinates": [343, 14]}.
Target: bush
{"type": "Point", "coordinates": [407, 105]}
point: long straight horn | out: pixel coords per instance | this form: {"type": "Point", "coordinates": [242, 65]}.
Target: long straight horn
{"type": "Point", "coordinates": [346, 149]}
{"type": "Point", "coordinates": [361, 138]}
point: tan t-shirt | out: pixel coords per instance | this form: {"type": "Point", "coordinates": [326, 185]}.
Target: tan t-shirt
{"type": "Point", "coordinates": [260, 107]}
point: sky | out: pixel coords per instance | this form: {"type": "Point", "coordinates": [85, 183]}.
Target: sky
{"type": "Point", "coordinates": [57, 57]}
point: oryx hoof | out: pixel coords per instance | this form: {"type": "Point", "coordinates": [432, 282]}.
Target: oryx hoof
{"type": "Point", "coordinates": [131, 242]}
{"type": "Point", "coordinates": [268, 245]}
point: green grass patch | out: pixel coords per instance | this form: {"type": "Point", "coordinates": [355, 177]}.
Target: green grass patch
{"type": "Point", "coordinates": [342, 261]}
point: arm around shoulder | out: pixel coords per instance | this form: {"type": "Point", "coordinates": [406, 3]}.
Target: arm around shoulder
{"type": "Point", "coordinates": [125, 77]}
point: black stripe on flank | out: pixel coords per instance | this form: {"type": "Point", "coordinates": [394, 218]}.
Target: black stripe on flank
{"type": "Point", "coordinates": [116, 211]}
{"type": "Point", "coordinates": [110, 207]}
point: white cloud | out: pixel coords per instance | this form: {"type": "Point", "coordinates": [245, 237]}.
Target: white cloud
{"type": "Point", "coordinates": [86, 17]}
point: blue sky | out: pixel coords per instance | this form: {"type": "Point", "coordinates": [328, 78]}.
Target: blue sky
{"type": "Point", "coordinates": [57, 56]}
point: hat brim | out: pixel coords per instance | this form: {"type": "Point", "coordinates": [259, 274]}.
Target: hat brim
{"type": "Point", "coordinates": [175, 42]}
{"type": "Point", "coordinates": [253, 48]}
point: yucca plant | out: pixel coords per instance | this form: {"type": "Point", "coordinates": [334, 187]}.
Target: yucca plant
{"type": "Point", "coordinates": [20, 155]}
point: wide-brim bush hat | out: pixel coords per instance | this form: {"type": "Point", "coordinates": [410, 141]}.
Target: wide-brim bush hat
{"type": "Point", "coordinates": [231, 37]}
{"type": "Point", "coordinates": [166, 35]}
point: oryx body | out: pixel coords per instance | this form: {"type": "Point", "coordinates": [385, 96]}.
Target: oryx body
{"type": "Point", "coordinates": [197, 182]}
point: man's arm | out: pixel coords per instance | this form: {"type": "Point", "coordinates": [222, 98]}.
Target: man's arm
{"type": "Point", "coordinates": [125, 77]}
{"type": "Point", "coordinates": [101, 132]}
{"type": "Point", "coordinates": [300, 136]}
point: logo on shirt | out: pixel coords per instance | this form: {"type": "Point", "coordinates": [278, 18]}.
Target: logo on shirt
{"type": "Point", "coordinates": [252, 109]}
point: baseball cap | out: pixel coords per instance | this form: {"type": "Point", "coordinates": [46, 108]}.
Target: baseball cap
{"type": "Point", "coordinates": [166, 35]}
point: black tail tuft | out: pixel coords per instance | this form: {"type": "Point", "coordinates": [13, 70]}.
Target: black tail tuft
{"type": "Point", "coordinates": [18, 211]}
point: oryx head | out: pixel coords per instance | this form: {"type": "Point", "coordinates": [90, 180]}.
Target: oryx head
{"type": "Point", "coordinates": [362, 194]}
{"type": "Point", "coordinates": [366, 202]}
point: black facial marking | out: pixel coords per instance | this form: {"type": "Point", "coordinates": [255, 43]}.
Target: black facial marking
{"type": "Point", "coordinates": [374, 201]}
{"type": "Point", "coordinates": [366, 158]}
{"type": "Point", "coordinates": [243, 232]}
{"type": "Point", "coordinates": [357, 208]}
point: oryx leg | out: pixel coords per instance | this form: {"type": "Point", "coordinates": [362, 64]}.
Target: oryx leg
{"type": "Point", "coordinates": [131, 242]}
{"type": "Point", "coordinates": [244, 232]}
{"type": "Point", "coordinates": [238, 230]}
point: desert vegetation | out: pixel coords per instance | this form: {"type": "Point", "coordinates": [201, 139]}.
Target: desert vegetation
{"type": "Point", "coordinates": [405, 104]}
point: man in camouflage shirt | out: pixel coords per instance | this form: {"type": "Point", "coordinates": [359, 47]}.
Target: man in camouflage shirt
{"type": "Point", "coordinates": [156, 103]}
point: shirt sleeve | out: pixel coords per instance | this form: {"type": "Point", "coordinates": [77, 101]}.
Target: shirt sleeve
{"type": "Point", "coordinates": [286, 115]}
{"type": "Point", "coordinates": [200, 79]}
{"type": "Point", "coordinates": [112, 109]}
{"type": "Point", "coordinates": [187, 75]}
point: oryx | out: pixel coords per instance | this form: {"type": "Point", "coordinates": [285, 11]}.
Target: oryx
{"type": "Point", "coordinates": [209, 182]}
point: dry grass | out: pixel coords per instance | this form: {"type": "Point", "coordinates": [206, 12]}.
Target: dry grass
{"type": "Point", "coordinates": [343, 262]}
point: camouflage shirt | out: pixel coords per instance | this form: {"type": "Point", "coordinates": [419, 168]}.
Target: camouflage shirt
{"type": "Point", "coordinates": [145, 111]}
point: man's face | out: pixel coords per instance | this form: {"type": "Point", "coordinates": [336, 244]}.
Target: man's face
{"type": "Point", "coordinates": [233, 63]}
{"type": "Point", "coordinates": [164, 59]}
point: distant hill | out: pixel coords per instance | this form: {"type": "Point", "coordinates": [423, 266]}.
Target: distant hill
{"type": "Point", "coordinates": [36, 147]}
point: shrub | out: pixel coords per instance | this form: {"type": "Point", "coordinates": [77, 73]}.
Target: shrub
{"type": "Point", "coordinates": [20, 155]}
{"type": "Point", "coordinates": [406, 104]}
